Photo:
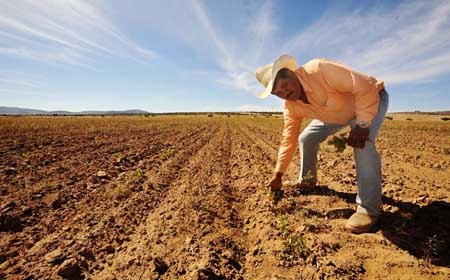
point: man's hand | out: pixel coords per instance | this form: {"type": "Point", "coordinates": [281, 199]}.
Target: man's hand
{"type": "Point", "coordinates": [358, 137]}
{"type": "Point", "coordinates": [275, 182]}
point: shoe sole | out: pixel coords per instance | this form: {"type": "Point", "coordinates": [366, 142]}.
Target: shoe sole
{"type": "Point", "coordinates": [359, 230]}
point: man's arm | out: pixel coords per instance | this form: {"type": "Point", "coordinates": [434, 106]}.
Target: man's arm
{"type": "Point", "coordinates": [291, 131]}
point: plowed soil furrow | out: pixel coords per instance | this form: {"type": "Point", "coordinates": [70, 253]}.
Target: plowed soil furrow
{"type": "Point", "coordinates": [89, 227]}
{"type": "Point", "coordinates": [156, 185]}
{"type": "Point", "coordinates": [265, 154]}
{"type": "Point", "coordinates": [186, 197]}
{"type": "Point", "coordinates": [43, 149]}
{"type": "Point", "coordinates": [63, 197]}
{"type": "Point", "coordinates": [271, 135]}
{"type": "Point", "coordinates": [186, 231]}
{"type": "Point", "coordinates": [260, 215]}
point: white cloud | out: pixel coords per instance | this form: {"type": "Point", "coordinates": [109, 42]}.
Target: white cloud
{"type": "Point", "coordinates": [72, 32]}
{"type": "Point", "coordinates": [252, 45]}
{"type": "Point", "coordinates": [231, 36]}
{"type": "Point", "coordinates": [409, 43]}
{"type": "Point", "coordinates": [244, 81]}
{"type": "Point", "coordinates": [19, 83]}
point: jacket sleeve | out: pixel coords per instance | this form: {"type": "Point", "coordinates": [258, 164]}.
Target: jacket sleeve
{"type": "Point", "coordinates": [289, 141]}
{"type": "Point", "coordinates": [346, 80]}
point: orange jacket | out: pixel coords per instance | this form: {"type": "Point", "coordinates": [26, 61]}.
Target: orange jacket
{"type": "Point", "coordinates": [336, 94]}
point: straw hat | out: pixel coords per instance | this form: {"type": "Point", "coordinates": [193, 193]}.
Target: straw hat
{"type": "Point", "coordinates": [266, 74]}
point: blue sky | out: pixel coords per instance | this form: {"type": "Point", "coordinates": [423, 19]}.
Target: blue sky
{"type": "Point", "coordinates": [191, 55]}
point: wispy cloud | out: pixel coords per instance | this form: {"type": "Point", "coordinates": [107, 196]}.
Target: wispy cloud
{"type": "Point", "coordinates": [19, 83]}
{"type": "Point", "coordinates": [63, 32]}
{"type": "Point", "coordinates": [251, 46]}
{"type": "Point", "coordinates": [228, 37]}
{"type": "Point", "coordinates": [403, 43]}
{"type": "Point", "coordinates": [409, 43]}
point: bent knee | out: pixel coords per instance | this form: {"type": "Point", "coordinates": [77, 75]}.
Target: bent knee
{"type": "Point", "coordinates": [307, 137]}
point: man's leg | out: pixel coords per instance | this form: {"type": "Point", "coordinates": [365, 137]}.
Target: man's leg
{"type": "Point", "coordinates": [309, 141]}
{"type": "Point", "coordinates": [368, 166]}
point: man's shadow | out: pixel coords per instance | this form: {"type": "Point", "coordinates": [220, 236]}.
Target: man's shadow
{"type": "Point", "coordinates": [423, 231]}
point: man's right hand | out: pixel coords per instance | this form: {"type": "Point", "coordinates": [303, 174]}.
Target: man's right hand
{"type": "Point", "coordinates": [275, 182]}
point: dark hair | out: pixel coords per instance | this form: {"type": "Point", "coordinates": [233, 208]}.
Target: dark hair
{"type": "Point", "coordinates": [282, 74]}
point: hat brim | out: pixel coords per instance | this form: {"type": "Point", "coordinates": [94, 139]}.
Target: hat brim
{"type": "Point", "coordinates": [267, 91]}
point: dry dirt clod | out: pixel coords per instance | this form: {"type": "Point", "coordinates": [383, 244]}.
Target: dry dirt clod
{"type": "Point", "coordinates": [10, 171]}
{"type": "Point", "coordinates": [8, 206]}
{"type": "Point", "coordinates": [87, 253]}
{"type": "Point", "coordinates": [70, 269]}
{"type": "Point", "coordinates": [160, 266]}
{"type": "Point", "coordinates": [101, 174]}
{"type": "Point", "coordinates": [109, 249]}
{"type": "Point", "coordinates": [10, 223]}
{"type": "Point", "coordinates": [56, 203]}
{"type": "Point", "coordinates": [205, 273]}
{"type": "Point", "coordinates": [256, 250]}
{"type": "Point", "coordinates": [55, 256]}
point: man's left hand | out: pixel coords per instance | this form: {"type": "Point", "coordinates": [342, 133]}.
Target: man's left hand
{"type": "Point", "coordinates": [358, 137]}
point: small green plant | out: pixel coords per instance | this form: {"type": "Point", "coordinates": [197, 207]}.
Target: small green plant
{"type": "Point", "coordinates": [338, 143]}
{"type": "Point", "coordinates": [294, 244]}
{"type": "Point", "coordinates": [276, 195]}
{"type": "Point", "coordinates": [283, 225]}
{"type": "Point", "coordinates": [168, 152]}
{"type": "Point", "coordinates": [122, 191]}
{"type": "Point", "coordinates": [116, 156]}
{"type": "Point", "coordinates": [134, 176]}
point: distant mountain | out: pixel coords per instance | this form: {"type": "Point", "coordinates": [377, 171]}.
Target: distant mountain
{"type": "Point", "coordinates": [425, 113]}
{"type": "Point", "coordinates": [24, 111]}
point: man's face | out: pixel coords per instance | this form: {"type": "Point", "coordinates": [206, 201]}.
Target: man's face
{"type": "Point", "coordinates": [288, 88]}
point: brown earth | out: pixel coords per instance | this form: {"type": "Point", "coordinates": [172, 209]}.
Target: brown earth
{"type": "Point", "coordinates": [185, 198]}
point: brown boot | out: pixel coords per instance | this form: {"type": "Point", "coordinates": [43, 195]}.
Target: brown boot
{"type": "Point", "coordinates": [360, 223]}
{"type": "Point", "coordinates": [305, 186]}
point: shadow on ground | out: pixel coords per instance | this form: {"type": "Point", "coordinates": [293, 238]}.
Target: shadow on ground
{"type": "Point", "coordinates": [423, 231]}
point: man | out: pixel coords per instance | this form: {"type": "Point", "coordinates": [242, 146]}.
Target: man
{"type": "Point", "coordinates": [334, 96]}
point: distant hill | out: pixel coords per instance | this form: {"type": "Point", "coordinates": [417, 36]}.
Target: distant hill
{"type": "Point", "coordinates": [425, 113]}
{"type": "Point", "coordinates": [16, 111]}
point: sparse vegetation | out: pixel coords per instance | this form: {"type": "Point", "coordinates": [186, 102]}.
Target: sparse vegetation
{"type": "Point", "coordinates": [276, 195]}
{"type": "Point", "coordinates": [293, 242]}
{"type": "Point", "coordinates": [338, 142]}
{"type": "Point", "coordinates": [123, 190]}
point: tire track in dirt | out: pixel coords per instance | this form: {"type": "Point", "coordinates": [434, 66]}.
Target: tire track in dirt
{"type": "Point", "coordinates": [85, 234]}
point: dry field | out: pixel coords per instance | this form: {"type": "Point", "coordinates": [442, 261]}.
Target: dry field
{"type": "Point", "coordinates": [184, 197]}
